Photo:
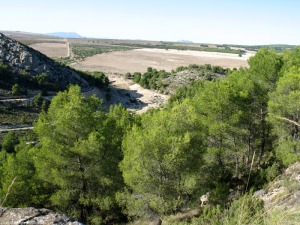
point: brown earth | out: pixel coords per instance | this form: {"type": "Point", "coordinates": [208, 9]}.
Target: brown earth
{"type": "Point", "coordinates": [139, 60]}
{"type": "Point", "coordinates": [130, 95]}
{"type": "Point", "coordinates": [116, 64]}
{"type": "Point", "coordinates": [52, 50]}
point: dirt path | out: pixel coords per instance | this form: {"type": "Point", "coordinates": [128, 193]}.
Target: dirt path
{"type": "Point", "coordinates": [68, 47]}
{"type": "Point", "coordinates": [14, 128]}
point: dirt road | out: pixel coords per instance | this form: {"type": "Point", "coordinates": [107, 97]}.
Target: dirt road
{"type": "Point", "coordinates": [14, 129]}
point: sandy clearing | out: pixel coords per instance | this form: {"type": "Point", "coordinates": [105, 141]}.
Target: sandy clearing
{"type": "Point", "coordinates": [139, 60]}
{"type": "Point", "coordinates": [196, 53]}
{"type": "Point", "coordinates": [151, 98]}
{"type": "Point", "coordinates": [115, 64]}
{"type": "Point", "coordinates": [53, 50]}
{"type": "Point", "coordinates": [130, 95]}
{"type": "Point", "coordinates": [147, 98]}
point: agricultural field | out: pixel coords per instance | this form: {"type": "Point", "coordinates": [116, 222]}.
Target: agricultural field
{"type": "Point", "coordinates": [122, 56]}
{"type": "Point", "coordinates": [32, 38]}
{"type": "Point", "coordinates": [52, 50]}
{"type": "Point", "coordinates": [139, 60]}
{"type": "Point", "coordinates": [82, 51]}
{"type": "Point", "coordinates": [117, 57]}
{"type": "Point", "coordinates": [53, 47]}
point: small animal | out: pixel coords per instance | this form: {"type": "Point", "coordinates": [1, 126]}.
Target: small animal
{"type": "Point", "coordinates": [204, 199]}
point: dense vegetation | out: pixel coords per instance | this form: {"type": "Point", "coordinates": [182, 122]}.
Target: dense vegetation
{"type": "Point", "coordinates": [87, 50]}
{"type": "Point", "coordinates": [278, 48]}
{"type": "Point", "coordinates": [152, 79]}
{"type": "Point", "coordinates": [18, 84]}
{"type": "Point", "coordinates": [181, 76]}
{"type": "Point", "coordinates": [97, 79]}
{"type": "Point", "coordinates": [225, 136]}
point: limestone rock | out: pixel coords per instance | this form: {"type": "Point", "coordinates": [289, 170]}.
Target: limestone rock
{"type": "Point", "coordinates": [22, 216]}
{"type": "Point", "coordinates": [284, 191]}
{"type": "Point", "coordinates": [23, 59]}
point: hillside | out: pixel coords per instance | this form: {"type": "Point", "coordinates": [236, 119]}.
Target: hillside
{"type": "Point", "coordinates": [199, 158]}
{"type": "Point", "coordinates": [26, 61]}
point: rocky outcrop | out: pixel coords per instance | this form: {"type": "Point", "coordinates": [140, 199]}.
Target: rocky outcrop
{"type": "Point", "coordinates": [23, 59]}
{"type": "Point", "coordinates": [22, 216]}
{"type": "Point", "coordinates": [284, 192]}
{"type": "Point", "coordinates": [186, 77]}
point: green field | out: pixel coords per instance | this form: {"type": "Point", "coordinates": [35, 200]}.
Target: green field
{"type": "Point", "coordinates": [87, 50]}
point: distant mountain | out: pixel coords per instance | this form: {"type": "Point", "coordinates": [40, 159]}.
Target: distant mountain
{"type": "Point", "coordinates": [185, 41]}
{"type": "Point", "coordinates": [65, 34]}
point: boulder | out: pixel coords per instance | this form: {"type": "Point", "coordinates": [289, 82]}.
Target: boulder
{"type": "Point", "coordinates": [22, 216]}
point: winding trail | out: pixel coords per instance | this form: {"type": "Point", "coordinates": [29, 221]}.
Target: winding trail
{"type": "Point", "coordinates": [68, 47]}
{"type": "Point", "coordinates": [20, 127]}
{"type": "Point", "coordinates": [15, 129]}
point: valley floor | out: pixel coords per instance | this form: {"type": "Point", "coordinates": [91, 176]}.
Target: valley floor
{"type": "Point", "coordinates": [139, 60]}
{"type": "Point", "coordinates": [116, 64]}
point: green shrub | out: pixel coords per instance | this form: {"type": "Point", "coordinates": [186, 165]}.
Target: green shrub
{"type": "Point", "coordinates": [16, 90]}
{"type": "Point", "coordinates": [9, 142]}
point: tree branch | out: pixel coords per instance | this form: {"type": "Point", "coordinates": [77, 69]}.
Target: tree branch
{"type": "Point", "coordinates": [288, 120]}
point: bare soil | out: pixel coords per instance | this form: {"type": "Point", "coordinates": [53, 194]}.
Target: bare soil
{"type": "Point", "coordinates": [139, 60]}
{"type": "Point", "coordinates": [53, 50]}
{"type": "Point", "coordinates": [124, 91]}
{"type": "Point", "coordinates": [116, 64]}
{"type": "Point", "coordinates": [130, 95]}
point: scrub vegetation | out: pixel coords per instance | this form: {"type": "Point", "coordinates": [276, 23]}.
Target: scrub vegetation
{"type": "Point", "coordinates": [223, 136]}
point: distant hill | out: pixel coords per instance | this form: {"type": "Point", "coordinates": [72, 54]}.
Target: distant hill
{"type": "Point", "coordinates": [22, 59]}
{"type": "Point", "coordinates": [65, 34]}
{"type": "Point", "coordinates": [184, 41]}
{"type": "Point", "coordinates": [24, 34]}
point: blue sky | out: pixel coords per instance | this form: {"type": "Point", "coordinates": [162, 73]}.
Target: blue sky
{"type": "Point", "coordinates": [210, 21]}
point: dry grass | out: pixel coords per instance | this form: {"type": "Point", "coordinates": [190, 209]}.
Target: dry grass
{"type": "Point", "coordinates": [179, 217]}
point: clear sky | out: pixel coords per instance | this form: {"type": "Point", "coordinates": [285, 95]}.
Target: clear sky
{"type": "Point", "coordinates": [209, 21]}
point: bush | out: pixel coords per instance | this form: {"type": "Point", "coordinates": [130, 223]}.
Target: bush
{"type": "Point", "coordinates": [137, 77]}
{"type": "Point", "coordinates": [9, 142]}
{"type": "Point", "coordinates": [42, 79]}
{"type": "Point", "coordinates": [98, 79]}
{"type": "Point", "coordinates": [128, 75]}
{"type": "Point", "coordinates": [4, 69]}
{"type": "Point", "coordinates": [38, 100]}
{"type": "Point", "coordinates": [16, 90]}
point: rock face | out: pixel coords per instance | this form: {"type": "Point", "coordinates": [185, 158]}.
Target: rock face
{"type": "Point", "coordinates": [22, 216]}
{"type": "Point", "coordinates": [284, 192]}
{"type": "Point", "coordinates": [23, 59]}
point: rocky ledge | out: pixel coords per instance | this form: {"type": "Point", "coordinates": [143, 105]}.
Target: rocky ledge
{"type": "Point", "coordinates": [284, 192]}
{"type": "Point", "coordinates": [22, 216]}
